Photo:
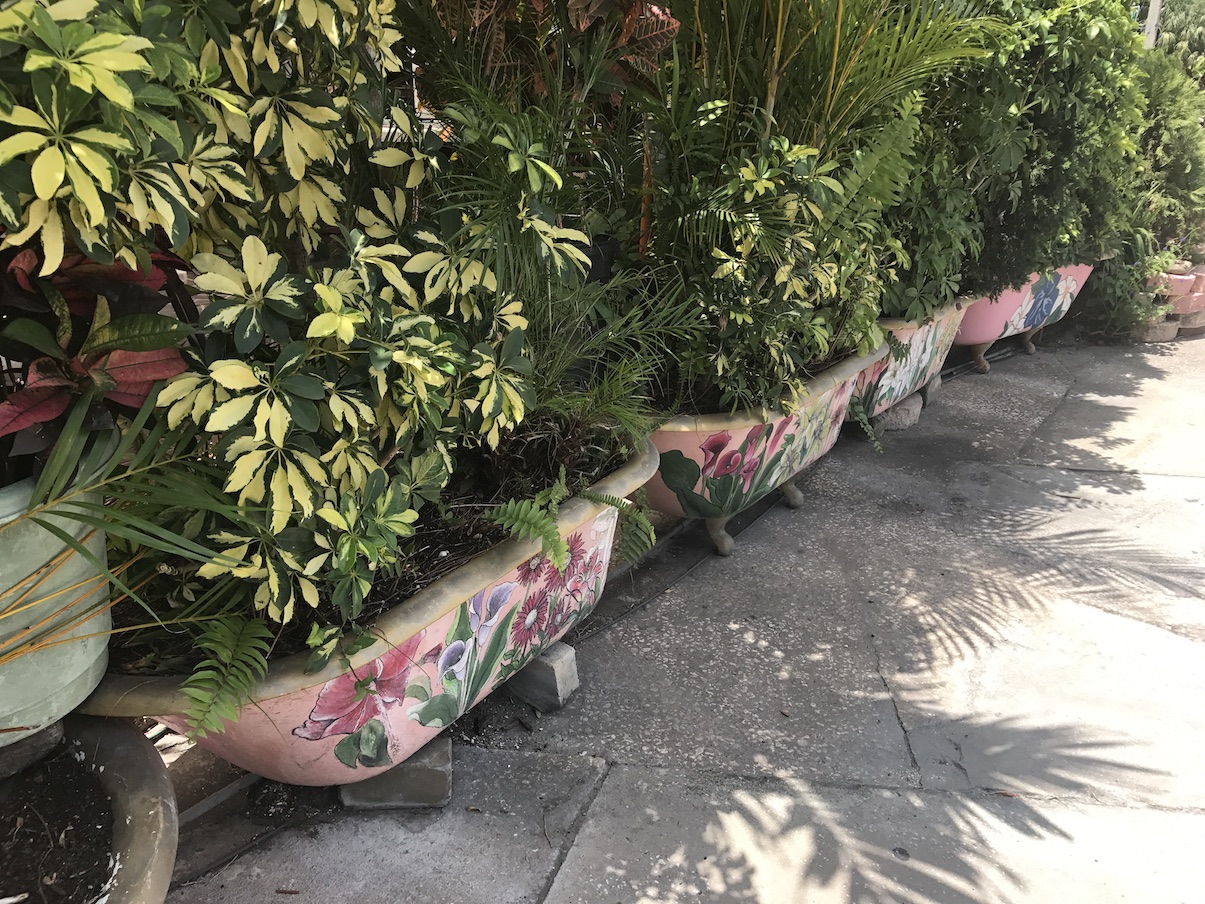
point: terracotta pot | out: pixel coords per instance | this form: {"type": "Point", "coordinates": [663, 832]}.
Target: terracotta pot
{"type": "Point", "coordinates": [1189, 303]}
{"type": "Point", "coordinates": [1175, 284]}
{"type": "Point", "coordinates": [896, 376]}
{"type": "Point", "coordinates": [715, 466]}
{"type": "Point", "coordinates": [145, 823]}
{"type": "Point", "coordinates": [441, 652]}
{"type": "Point", "coordinates": [1039, 303]}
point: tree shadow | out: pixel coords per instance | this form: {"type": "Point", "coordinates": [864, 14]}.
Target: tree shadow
{"type": "Point", "coordinates": [782, 839]}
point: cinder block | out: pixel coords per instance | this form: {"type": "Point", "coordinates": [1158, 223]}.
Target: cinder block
{"type": "Point", "coordinates": [423, 780]}
{"type": "Point", "coordinates": [900, 416]}
{"type": "Point", "coordinates": [547, 681]}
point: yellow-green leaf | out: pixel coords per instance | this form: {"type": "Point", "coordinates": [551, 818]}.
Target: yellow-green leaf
{"type": "Point", "coordinates": [20, 144]}
{"type": "Point", "coordinates": [228, 414]}
{"type": "Point", "coordinates": [234, 375]}
{"type": "Point", "coordinates": [48, 172]}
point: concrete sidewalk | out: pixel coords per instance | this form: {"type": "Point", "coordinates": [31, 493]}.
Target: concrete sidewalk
{"type": "Point", "coordinates": [971, 669]}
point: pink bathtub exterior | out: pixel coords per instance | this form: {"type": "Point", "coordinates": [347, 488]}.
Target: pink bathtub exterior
{"type": "Point", "coordinates": [746, 455]}
{"type": "Point", "coordinates": [473, 628]}
{"type": "Point", "coordinates": [897, 376]}
{"type": "Point", "coordinates": [987, 320]}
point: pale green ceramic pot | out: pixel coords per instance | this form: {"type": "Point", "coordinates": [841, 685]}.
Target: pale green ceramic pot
{"type": "Point", "coordinates": [55, 600]}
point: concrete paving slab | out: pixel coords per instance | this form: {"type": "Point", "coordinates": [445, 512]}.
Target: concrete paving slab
{"type": "Point", "coordinates": [498, 842]}
{"type": "Point", "coordinates": [1129, 410]}
{"type": "Point", "coordinates": [668, 837]}
{"type": "Point", "coordinates": [747, 664]}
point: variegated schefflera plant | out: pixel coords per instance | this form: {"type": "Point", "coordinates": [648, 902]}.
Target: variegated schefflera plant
{"type": "Point", "coordinates": [352, 338]}
{"type": "Point", "coordinates": [97, 153]}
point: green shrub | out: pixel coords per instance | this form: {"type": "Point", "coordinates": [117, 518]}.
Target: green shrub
{"type": "Point", "coordinates": [1046, 135]}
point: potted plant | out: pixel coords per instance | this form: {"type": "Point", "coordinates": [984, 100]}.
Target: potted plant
{"type": "Point", "coordinates": [1018, 123]}
{"type": "Point", "coordinates": [90, 184]}
{"type": "Point", "coordinates": [773, 214]}
{"type": "Point", "coordinates": [368, 388]}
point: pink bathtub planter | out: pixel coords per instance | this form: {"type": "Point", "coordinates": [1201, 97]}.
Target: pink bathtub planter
{"type": "Point", "coordinates": [896, 376]}
{"type": "Point", "coordinates": [716, 466]}
{"type": "Point", "coordinates": [441, 652]}
{"type": "Point", "coordinates": [1039, 303]}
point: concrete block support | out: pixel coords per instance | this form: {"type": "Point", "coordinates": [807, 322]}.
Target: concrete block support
{"type": "Point", "coordinates": [900, 416]}
{"type": "Point", "coordinates": [928, 392]}
{"type": "Point", "coordinates": [423, 780]}
{"type": "Point", "coordinates": [547, 681]}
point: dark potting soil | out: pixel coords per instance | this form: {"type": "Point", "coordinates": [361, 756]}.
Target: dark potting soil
{"type": "Point", "coordinates": [56, 833]}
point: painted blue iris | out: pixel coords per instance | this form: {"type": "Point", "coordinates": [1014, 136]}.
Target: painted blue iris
{"type": "Point", "coordinates": [1045, 299]}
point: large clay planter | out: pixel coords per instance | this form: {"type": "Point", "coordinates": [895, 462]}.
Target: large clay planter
{"type": "Point", "coordinates": [1039, 303]}
{"type": "Point", "coordinates": [1188, 303]}
{"type": "Point", "coordinates": [145, 823]}
{"type": "Point", "coordinates": [1174, 285]}
{"type": "Point", "coordinates": [53, 599]}
{"type": "Point", "coordinates": [716, 466]}
{"type": "Point", "coordinates": [896, 376]}
{"type": "Point", "coordinates": [441, 652]}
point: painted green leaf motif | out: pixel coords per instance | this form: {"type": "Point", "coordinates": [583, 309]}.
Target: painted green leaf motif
{"type": "Point", "coordinates": [367, 747]}
{"type": "Point", "coordinates": [438, 712]}
{"type": "Point", "coordinates": [678, 471]}
{"type": "Point", "coordinates": [680, 475]}
{"type": "Point", "coordinates": [484, 667]}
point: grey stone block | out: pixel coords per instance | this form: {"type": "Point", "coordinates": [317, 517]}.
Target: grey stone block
{"type": "Point", "coordinates": [928, 393]}
{"type": "Point", "coordinates": [423, 780]}
{"type": "Point", "coordinates": [1193, 320]}
{"type": "Point", "coordinates": [901, 415]}
{"type": "Point", "coordinates": [547, 681]}
{"type": "Point", "coordinates": [1159, 331]}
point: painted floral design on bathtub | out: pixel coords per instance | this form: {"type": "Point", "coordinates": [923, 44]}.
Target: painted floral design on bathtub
{"type": "Point", "coordinates": [477, 646]}
{"type": "Point", "coordinates": [915, 358]}
{"type": "Point", "coordinates": [357, 704]}
{"type": "Point", "coordinates": [478, 653]}
{"type": "Point", "coordinates": [1046, 301]}
{"type": "Point", "coordinates": [737, 469]}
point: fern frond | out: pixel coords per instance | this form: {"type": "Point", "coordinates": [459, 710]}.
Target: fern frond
{"type": "Point", "coordinates": [525, 519]}
{"type": "Point", "coordinates": [636, 533]}
{"type": "Point", "coordinates": [238, 658]}
{"type": "Point", "coordinates": [858, 410]}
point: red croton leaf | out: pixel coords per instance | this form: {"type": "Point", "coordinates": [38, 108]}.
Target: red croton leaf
{"type": "Point", "coordinates": [135, 373]}
{"type": "Point", "coordinates": [32, 405]}
{"type": "Point", "coordinates": [127, 367]}
{"type": "Point", "coordinates": [131, 394]}
{"type": "Point", "coordinates": [46, 372]}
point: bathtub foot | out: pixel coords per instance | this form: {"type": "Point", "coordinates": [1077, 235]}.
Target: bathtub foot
{"type": "Point", "coordinates": [792, 494]}
{"type": "Point", "coordinates": [724, 544]}
{"type": "Point", "coordinates": [978, 352]}
{"type": "Point", "coordinates": [1027, 341]}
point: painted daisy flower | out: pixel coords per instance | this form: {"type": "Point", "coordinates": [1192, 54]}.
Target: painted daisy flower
{"type": "Point", "coordinates": [530, 570]}
{"type": "Point", "coordinates": [530, 619]}
{"type": "Point", "coordinates": [577, 555]}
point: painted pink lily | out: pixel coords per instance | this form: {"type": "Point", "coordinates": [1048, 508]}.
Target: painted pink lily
{"type": "Point", "coordinates": [729, 464]}
{"type": "Point", "coordinates": [343, 709]}
{"type": "Point", "coordinates": [712, 447]}
{"type": "Point", "coordinates": [749, 470]}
